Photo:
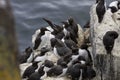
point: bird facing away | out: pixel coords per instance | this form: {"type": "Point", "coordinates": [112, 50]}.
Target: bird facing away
{"type": "Point", "coordinates": [100, 10]}
{"type": "Point", "coordinates": [73, 25]}
{"type": "Point", "coordinates": [109, 39]}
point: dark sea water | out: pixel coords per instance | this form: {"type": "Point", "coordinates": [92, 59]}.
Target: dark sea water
{"type": "Point", "coordinates": [29, 13]}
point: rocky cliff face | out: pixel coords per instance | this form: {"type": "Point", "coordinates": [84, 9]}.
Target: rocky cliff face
{"type": "Point", "coordinates": [107, 66]}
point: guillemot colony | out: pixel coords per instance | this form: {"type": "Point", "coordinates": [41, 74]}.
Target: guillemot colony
{"type": "Point", "coordinates": [61, 52]}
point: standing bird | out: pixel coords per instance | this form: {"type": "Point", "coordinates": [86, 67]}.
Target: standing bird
{"type": "Point", "coordinates": [64, 66]}
{"type": "Point", "coordinates": [100, 9]}
{"type": "Point", "coordinates": [37, 75]}
{"type": "Point", "coordinates": [73, 25]}
{"type": "Point", "coordinates": [29, 70]}
{"type": "Point", "coordinates": [75, 71]}
{"type": "Point", "coordinates": [39, 37]}
{"type": "Point", "coordinates": [88, 56]}
{"type": "Point", "coordinates": [68, 28]}
{"type": "Point", "coordinates": [83, 54]}
{"type": "Point", "coordinates": [60, 49]}
{"type": "Point", "coordinates": [109, 39]}
{"type": "Point", "coordinates": [114, 6]}
{"type": "Point", "coordinates": [41, 74]}
{"type": "Point", "coordinates": [69, 42]}
{"type": "Point", "coordinates": [27, 56]}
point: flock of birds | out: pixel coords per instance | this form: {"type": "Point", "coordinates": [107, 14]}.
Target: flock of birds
{"type": "Point", "coordinates": [62, 56]}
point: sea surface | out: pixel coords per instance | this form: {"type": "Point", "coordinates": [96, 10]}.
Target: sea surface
{"type": "Point", "coordinates": [29, 13]}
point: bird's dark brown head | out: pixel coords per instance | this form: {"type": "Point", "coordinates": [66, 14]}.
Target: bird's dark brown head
{"type": "Point", "coordinates": [97, 1]}
{"type": "Point", "coordinates": [43, 29]}
{"type": "Point", "coordinates": [70, 20]}
{"type": "Point", "coordinates": [84, 46]}
{"type": "Point", "coordinates": [64, 64]}
{"type": "Point", "coordinates": [35, 64]}
{"type": "Point", "coordinates": [113, 34]}
{"type": "Point", "coordinates": [28, 50]}
{"type": "Point", "coordinates": [87, 25]}
{"type": "Point", "coordinates": [48, 63]}
{"type": "Point", "coordinates": [66, 24]}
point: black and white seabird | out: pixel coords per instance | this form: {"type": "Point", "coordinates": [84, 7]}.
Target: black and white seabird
{"type": "Point", "coordinates": [82, 54]}
{"type": "Point", "coordinates": [64, 66]}
{"type": "Point", "coordinates": [27, 56]}
{"type": "Point", "coordinates": [41, 74]}
{"type": "Point", "coordinates": [60, 49]}
{"type": "Point", "coordinates": [75, 71]}
{"type": "Point", "coordinates": [73, 25]}
{"type": "Point", "coordinates": [79, 58]}
{"type": "Point", "coordinates": [100, 9]}
{"type": "Point", "coordinates": [114, 6]}
{"type": "Point", "coordinates": [68, 28]}
{"type": "Point", "coordinates": [38, 75]}
{"type": "Point", "coordinates": [89, 57]}
{"type": "Point", "coordinates": [29, 70]}
{"type": "Point", "coordinates": [38, 39]}
{"type": "Point", "coordinates": [69, 42]}
{"type": "Point", "coordinates": [109, 39]}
